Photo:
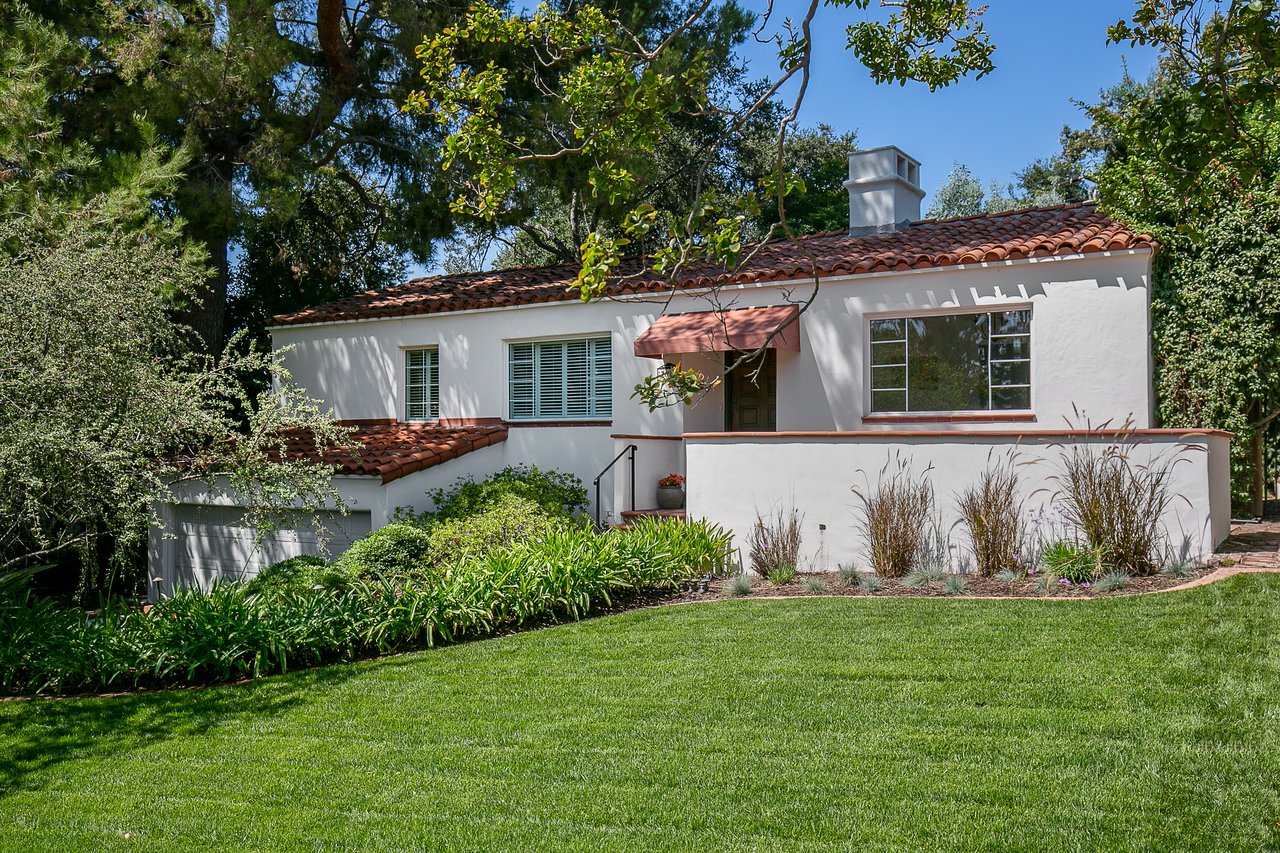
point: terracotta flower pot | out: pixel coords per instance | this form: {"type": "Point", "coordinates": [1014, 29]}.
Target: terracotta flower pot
{"type": "Point", "coordinates": [670, 497]}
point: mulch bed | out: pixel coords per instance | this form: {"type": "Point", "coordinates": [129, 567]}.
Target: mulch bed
{"type": "Point", "coordinates": [974, 587]}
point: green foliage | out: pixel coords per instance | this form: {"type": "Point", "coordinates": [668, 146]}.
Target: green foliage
{"type": "Point", "coordinates": [781, 574]}
{"type": "Point", "coordinates": [1178, 570]}
{"type": "Point", "coordinates": [299, 574]}
{"type": "Point", "coordinates": [105, 409]}
{"type": "Point", "coordinates": [234, 631]}
{"type": "Point", "coordinates": [501, 521]}
{"type": "Point", "coordinates": [1076, 564]}
{"type": "Point", "coordinates": [935, 42]}
{"type": "Point", "coordinates": [555, 492]}
{"type": "Point", "coordinates": [399, 549]}
{"type": "Point", "coordinates": [954, 585]}
{"type": "Point", "coordinates": [923, 577]}
{"type": "Point", "coordinates": [739, 585]}
{"type": "Point", "coordinates": [961, 195]}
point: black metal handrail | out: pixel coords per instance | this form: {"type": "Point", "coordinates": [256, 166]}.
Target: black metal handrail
{"type": "Point", "coordinates": [629, 449]}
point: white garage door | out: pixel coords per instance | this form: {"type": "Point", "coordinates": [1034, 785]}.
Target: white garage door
{"type": "Point", "coordinates": [215, 542]}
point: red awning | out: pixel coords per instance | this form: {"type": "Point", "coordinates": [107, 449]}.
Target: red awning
{"type": "Point", "coordinates": [723, 331]}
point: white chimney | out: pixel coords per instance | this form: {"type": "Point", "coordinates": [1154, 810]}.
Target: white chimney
{"type": "Point", "coordinates": [884, 190]}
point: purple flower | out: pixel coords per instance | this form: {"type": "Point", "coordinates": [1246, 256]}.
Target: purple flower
{"type": "Point", "coordinates": [1065, 582]}
{"type": "Point", "coordinates": [1086, 584]}
{"type": "Point", "coordinates": [1031, 571]}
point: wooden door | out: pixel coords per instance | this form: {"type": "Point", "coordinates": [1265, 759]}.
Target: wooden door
{"type": "Point", "coordinates": [751, 398]}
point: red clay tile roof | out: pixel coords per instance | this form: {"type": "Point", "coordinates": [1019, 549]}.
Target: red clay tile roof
{"type": "Point", "coordinates": [1068, 229]}
{"type": "Point", "coordinates": [394, 450]}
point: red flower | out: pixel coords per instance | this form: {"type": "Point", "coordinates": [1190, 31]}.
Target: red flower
{"type": "Point", "coordinates": [671, 481]}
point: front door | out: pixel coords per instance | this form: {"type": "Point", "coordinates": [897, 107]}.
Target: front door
{"type": "Point", "coordinates": [751, 397]}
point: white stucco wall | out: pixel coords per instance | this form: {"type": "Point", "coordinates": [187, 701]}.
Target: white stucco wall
{"type": "Point", "coordinates": [732, 479]}
{"type": "Point", "coordinates": [1090, 342]}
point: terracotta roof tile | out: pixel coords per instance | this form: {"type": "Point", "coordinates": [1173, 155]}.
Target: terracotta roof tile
{"type": "Point", "coordinates": [989, 238]}
{"type": "Point", "coordinates": [394, 450]}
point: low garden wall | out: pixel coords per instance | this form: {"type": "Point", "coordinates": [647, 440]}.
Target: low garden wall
{"type": "Point", "coordinates": [734, 477]}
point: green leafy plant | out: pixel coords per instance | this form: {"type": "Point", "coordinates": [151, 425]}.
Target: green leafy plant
{"type": "Point", "coordinates": [1075, 564]}
{"type": "Point", "coordinates": [505, 520]}
{"type": "Point", "coordinates": [775, 544]}
{"type": "Point", "coordinates": [395, 550]}
{"type": "Point", "coordinates": [300, 573]}
{"type": "Point", "coordinates": [781, 575]}
{"type": "Point", "coordinates": [991, 511]}
{"type": "Point", "coordinates": [816, 586]}
{"type": "Point", "coordinates": [556, 492]}
{"type": "Point", "coordinates": [895, 517]}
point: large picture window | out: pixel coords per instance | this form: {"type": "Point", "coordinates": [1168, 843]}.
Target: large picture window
{"type": "Point", "coordinates": [422, 385]}
{"type": "Point", "coordinates": [951, 362]}
{"type": "Point", "coordinates": [561, 379]}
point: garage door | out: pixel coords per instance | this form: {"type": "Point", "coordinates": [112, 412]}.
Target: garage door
{"type": "Point", "coordinates": [215, 542]}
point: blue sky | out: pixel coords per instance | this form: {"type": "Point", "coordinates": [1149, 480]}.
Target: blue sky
{"type": "Point", "coordinates": [1047, 54]}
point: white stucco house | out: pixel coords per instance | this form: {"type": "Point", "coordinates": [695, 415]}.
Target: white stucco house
{"type": "Point", "coordinates": [943, 341]}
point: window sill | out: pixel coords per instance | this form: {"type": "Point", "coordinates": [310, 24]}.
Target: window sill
{"type": "Point", "coordinates": [560, 423]}
{"type": "Point", "coordinates": [956, 418]}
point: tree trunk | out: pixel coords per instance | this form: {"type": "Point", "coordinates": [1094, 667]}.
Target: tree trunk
{"type": "Point", "coordinates": [209, 205]}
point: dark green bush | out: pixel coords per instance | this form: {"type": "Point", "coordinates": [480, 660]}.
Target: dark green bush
{"type": "Point", "coordinates": [1063, 560]}
{"type": "Point", "coordinates": [232, 632]}
{"type": "Point", "coordinates": [556, 492]}
{"type": "Point", "coordinates": [300, 573]}
{"type": "Point", "coordinates": [397, 549]}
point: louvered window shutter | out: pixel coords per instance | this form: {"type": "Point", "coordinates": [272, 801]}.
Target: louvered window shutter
{"type": "Point", "coordinates": [561, 379]}
{"type": "Point", "coordinates": [422, 384]}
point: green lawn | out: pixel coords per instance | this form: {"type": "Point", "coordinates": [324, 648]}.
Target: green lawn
{"type": "Point", "coordinates": [1133, 723]}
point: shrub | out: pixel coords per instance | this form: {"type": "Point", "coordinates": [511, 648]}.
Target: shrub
{"type": "Point", "coordinates": [1115, 503]}
{"type": "Point", "coordinates": [508, 519]}
{"type": "Point", "coordinates": [397, 549]}
{"type": "Point", "coordinates": [1112, 581]}
{"type": "Point", "coordinates": [816, 586]}
{"type": "Point", "coordinates": [232, 632]}
{"type": "Point", "coordinates": [1009, 577]}
{"type": "Point", "coordinates": [1063, 560]}
{"type": "Point", "coordinates": [556, 492]}
{"type": "Point", "coordinates": [1178, 570]}
{"type": "Point", "coordinates": [992, 513]}
{"type": "Point", "coordinates": [953, 585]}
{"type": "Point", "coordinates": [781, 575]}
{"type": "Point", "coordinates": [739, 585]}
{"type": "Point", "coordinates": [299, 573]}
{"type": "Point", "coordinates": [775, 544]}
{"type": "Point", "coordinates": [870, 583]}
{"type": "Point", "coordinates": [895, 518]}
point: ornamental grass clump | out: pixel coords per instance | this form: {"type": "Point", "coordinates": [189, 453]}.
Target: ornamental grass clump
{"type": "Point", "coordinates": [991, 511]}
{"type": "Point", "coordinates": [775, 545]}
{"type": "Point", "coordinates": [1115, 502]}
{"type": "Point", "coordinates": [896, 518]}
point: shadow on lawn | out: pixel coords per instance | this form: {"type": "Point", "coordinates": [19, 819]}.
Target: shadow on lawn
{"type": "Point", "coordinates": [38, 734]}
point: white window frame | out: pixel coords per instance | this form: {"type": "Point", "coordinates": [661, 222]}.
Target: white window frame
{"type": "Point", "coordinates": [870, 317]}
{"type": "Point", "coordinates": [599, 404]}
{"type": "Point", "coordinates": [433, 384]}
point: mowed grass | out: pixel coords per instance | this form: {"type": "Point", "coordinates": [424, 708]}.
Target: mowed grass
{"type": "Point", "coordinates": [1133, 723]}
